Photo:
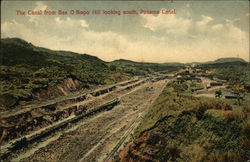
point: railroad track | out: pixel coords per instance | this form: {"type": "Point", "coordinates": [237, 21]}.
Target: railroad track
{"type": "Point", "coordinates": [138, 120]}
{"type": "Point", "coordinates": [78, 98]}
{"type": "Point", "coordinates": [117, 146]}
{"type": "Point", "coordinates": [21, 142]}
{"type": "Point", "coordinates": [15, 125]}
{"type": "Point", "coordinates": [24, 140]}
{"type": "Point", "coordinates": [123, 138]}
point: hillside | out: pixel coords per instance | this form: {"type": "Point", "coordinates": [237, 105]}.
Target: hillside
{"type": "Point", "coordinates": [143, 68]}
{"type": "Point", "coordinates": [225, 62]}
{"type": "Point", "coordinates": [30, 73]}
{"type": "Point", "coordinates": [27, 69]}
{"type": "Point", "coordinates": [169, 117]}
{"type": "Point", "coordinates": [229, 59]}
{"type": "Point", "coordinates": [187, 128]}
{"type": "Point", "coordinates": [230, 69]}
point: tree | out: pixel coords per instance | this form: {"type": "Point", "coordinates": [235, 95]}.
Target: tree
{"type": "Point", "coordinates": [218, 93]}
{"type": "Point", "coordinates": [179, 87]}
{"type": "Point", "coordinates": [239, 91]}
{"type": "Point", "coordinates": [113, 68]}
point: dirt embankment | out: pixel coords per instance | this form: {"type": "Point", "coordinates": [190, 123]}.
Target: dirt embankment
{"type": "Point", "coordinates": [95, 138]}
{"type": "Point", "coordinates": [207, 131]}
{"type": "Point", "coordinates": [142, 149]}
{"type": "Point", "coordinates": [67, 87]}
{"type": "Point", "coordinates": [25, 121]}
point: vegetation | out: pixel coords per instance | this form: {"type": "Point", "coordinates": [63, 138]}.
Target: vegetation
{"type": "Point", "coordinates": [180, 127]}
{"type": "Point", "coordinates": [140, 68]}
{"type": "Point", "coordinates": [235, 71]}
{"type": "Point", "coordinates": [26, 69]}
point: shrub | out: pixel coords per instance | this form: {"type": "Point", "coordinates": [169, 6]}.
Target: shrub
{"type": "Point", "coordinates": [201, 108]}
{"type": "Point", "coordinates": [246, 111]}
{"type": "Point", "coordinates": [227, 157]}
{"type": "Point", "coordinates": [245, 143]}
{"type": "Point", "coordinates": [198, 153]}
{"type": "Point", "coordinates": [174, 152]}
{"type": "Point", "coordinates": [246, 129]}
{"type": "Point", "coordinates": [233, 116]}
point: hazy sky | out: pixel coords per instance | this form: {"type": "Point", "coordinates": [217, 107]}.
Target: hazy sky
{"type": "Point", "coordinates": [199, 31]}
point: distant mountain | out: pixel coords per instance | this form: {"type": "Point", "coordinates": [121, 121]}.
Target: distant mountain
{"type": "Point", "coordinates": [229, 59]}
{"type": "Point", "coordinates": [124, 61]}
{"type": "Point", "coordinates": [220, 62]}
{"type": "Point", "coordinates": [152, 63]}
{"type": "Point", "coordinates": [226, 60]}
{"type": "Point", "coordinates": [143, 68]}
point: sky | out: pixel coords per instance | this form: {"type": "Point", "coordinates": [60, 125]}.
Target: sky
{"type": "Point", "coordinates": [199, 31]}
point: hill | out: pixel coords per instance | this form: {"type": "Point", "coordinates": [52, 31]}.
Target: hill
{"type": "Point", "coordinates": [143, 68]}
{"type": "Point", "coordinates": [187, 128]}
{"type": "Point", "coordinates": [30, 73]}
{"type": "Point", "coordinates": [27, 69]}
{"type": "Point", "coordinates": [224, 62]}
{"type": "Point", "coordinates": [230, 69]}
{"type": "Point", "coordinates": [229, 59]}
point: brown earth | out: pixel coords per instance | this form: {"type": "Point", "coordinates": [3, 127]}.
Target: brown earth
{"type": "Point", "coordinates": [29, 119]}
{"type": "Point", "coordinates": [98, 137]}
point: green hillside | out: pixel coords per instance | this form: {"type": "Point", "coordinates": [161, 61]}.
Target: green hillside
{"type": "Point", "coordinates": [230, 69]}
{"type": "Point", "coordinates": [187, 128]}
{"type": "Point", "coordinates": [229, 59]}
{"type": "Point", "coordinates": [26, 69]}
{"type": "Point", "coordinates": [143, 68]}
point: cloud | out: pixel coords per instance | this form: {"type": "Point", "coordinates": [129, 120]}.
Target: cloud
{"type": "Point", "coordinates": [84, 24]}
{"type": "Point", "coordinates": [106, 45]}
{"type": "Point", "coordinates": [70, 22]}
{"type": "Point", "coordinates": [204, 21]}
{"type": "Point", "coordinates": [35, 18]}
{"type": "Point", "coordinates": [169, 23]}
{"type": "Point", "coordinates": [236, 33]}
{"type": "Point", "coordinates": [217, 27]}
{"type": "Point", "coordinates": [40, 6]}
{"type": "Point", "coordinates": [180, 38]}
{"type": "Point", "coordinates": [14, 29]}
{"type": "Point", "coordinates": [68, 34]}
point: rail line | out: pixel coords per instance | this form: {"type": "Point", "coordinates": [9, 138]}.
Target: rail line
{"type": "Point", "coordinates": [79, 114]}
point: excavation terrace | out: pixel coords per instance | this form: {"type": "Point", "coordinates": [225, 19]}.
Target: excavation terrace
{"type": "Point", "coordinates": [27, 128]}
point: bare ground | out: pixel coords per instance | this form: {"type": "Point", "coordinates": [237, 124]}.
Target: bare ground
{"type": "Point", "coordinates": [99, 137]}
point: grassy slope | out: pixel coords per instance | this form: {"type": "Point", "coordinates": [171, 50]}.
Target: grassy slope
{"type": "Point", "coordinates": [26, 68]}
{"type": "Point", "coordinates": [186, 128]}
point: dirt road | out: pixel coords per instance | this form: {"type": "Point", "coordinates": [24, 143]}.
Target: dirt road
{"type": "Point", "coordinates": [98, 137]}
